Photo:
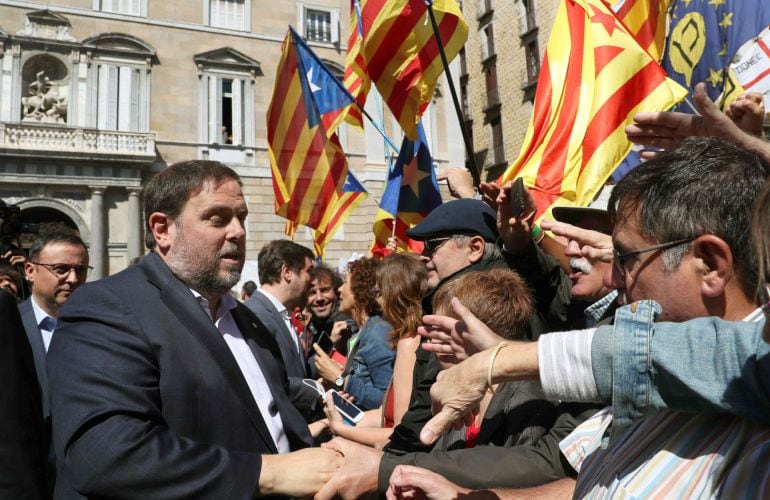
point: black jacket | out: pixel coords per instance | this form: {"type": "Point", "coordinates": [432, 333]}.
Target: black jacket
{"type": "Point", "coordinates": [147, 399]}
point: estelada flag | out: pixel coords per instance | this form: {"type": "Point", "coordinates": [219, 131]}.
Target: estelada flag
{"type": "Point", "coordinates": [594, 78]}
{"type": "Point", "coordinates": [410, 194]}
{"type": "Point", "coordinates": [353, 192]}
{"type": "Point", "coordinates": [309, 169]}
{"type": "Point", "coordinates": [395, 49]}
{"type": "Point", "coordinates": [646, 20]}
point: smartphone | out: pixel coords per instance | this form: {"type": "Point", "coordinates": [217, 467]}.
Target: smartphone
{"type": "Point", "coordinates": [325, 343]}
{"type": "Point", "coordinates": [315, 385]}
{"type": "Point", "coordinates": [350, 412]}
{"type": "Point", "coordinates": [517, 198]}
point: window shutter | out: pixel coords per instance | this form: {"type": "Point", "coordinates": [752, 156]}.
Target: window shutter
{"type": "Point", "coordinates": [136, 95]}
{"type": "Point", "coordinates": [214, 12]}
{"type": "Point", "coordinates": [215, 109]}
{"type": "Point", "coordinates": [335, 26]}
{"type": "Point", "coordinates": [107, 98]}
{"type": "Point", "coordinates": [237, 111]}
{"type": "Point", "coordinates": [301, 21]}
{"type": "Point", "coordinates": [126, 90]}
{"type": "Point", "coordinates": [238, 18]}
{"type": "Point", "coordinates": [112, 98]}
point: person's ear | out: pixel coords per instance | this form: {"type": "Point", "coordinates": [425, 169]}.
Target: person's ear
{"type": "Point", "coordinates": [29, 272]}
{"type": "Point", "coordinates": [163, 230]}
{"type": "Point", "coordinates": [286, 273]}
{"type": "Point", "coordinates": [714, 261]}
{"type": "Point", "coordinates": [476, 249]}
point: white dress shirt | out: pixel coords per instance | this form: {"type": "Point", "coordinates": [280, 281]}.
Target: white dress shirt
{"type": "Point", "coordinates": [249, 367]}
{"type": "Point", "coordinates": [45, 322]}
{"type": "Point", "coordinates": [286, 316]}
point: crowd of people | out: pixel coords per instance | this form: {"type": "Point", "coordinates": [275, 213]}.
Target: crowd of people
{"type": "Point", "coordinates": [605, 353]}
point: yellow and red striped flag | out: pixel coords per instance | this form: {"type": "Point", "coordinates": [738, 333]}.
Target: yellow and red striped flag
{"type": "Point", "coordinates": [646, 20]}
{"type": "Point", "coordinates": [594, 78]}
{"type": "Point", "coordinates": [341, 205]}
{"type": "Point", "coordinates": [397, 51]}
{"type": "Point", "coordinates": [309, 169]}
{"type": "Point", "coordinates": [355, 78]}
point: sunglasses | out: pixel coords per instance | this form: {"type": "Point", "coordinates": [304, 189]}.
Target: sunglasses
{"type": "Point", "coordinates": [432, 245]}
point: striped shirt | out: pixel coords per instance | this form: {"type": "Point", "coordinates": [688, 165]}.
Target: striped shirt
{"type": "Point", "coordinates": [672, 454]}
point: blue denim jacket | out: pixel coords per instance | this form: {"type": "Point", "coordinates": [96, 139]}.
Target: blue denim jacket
{"type": "Point", "coordinates": [371, 365]}
{"type": "Point", "coordinates": [703, 365]}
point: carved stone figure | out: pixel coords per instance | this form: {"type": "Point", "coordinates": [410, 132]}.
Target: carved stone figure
{"type": "Point", "coordinates": [44, 102]}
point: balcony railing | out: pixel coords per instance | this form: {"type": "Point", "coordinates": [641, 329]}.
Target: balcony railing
{"type": "Point", "coordinates": [76, 141]}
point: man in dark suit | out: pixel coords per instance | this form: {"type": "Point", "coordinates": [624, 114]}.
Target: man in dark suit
{"type": "Point", "coordinates": [284, 274]}
{"type": "Point", "coordinates": [23, 443]}
{"type": "Point", "coordinates": [56, 267]}
{"type": "Point", "coordinates": [162, 384]}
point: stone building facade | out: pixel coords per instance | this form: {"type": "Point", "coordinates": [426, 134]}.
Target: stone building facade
{"type": "Point", "coordinates": [98, 95]}
{"type": "Point", "coordinates": [499, 70]}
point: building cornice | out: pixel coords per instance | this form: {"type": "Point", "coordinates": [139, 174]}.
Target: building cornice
{"type": "Point", "coordinates": [25, 4]}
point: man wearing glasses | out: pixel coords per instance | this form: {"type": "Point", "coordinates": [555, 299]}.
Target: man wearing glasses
{"type": "Point", "coordinates": [57, 265]}
{"type": "Point", "coordinates": [680, 239]}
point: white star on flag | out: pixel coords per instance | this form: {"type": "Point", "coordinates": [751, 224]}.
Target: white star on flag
{"type": "Point", "coordinates": [313, 86]}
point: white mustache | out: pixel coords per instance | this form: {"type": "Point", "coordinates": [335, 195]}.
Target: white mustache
{"type": "Point", "coordinates": [580, 264]}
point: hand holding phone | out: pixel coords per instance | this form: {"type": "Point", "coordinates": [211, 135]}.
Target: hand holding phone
{"type": "Point", "coordinates": [518, 202]}
{"type": "Point", "coordinates": [351, 413]}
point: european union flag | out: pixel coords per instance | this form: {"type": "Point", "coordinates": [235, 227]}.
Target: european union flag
{"type": "Point", "coordinates": [704, 37]}
{"type": "Point", "coordinates": [322, 91]}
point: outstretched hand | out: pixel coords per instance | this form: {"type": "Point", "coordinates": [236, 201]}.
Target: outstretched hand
{"type": "Point", "coordinates": [593, 244]}
{"type": "Point", "coordinates": [666, 130]}
{"type": "Point", "coordinates": [459, 182]}
{"type": "Point", "coordinates": [455, 340]}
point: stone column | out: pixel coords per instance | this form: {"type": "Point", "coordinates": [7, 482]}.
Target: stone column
{"type": "Point", "coordinates": [135, 225]}
{"type": "Point", "coordinates": [98, 250]}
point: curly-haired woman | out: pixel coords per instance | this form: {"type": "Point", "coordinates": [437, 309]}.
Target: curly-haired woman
{"type": "Point", "coordinates": [369, 367]}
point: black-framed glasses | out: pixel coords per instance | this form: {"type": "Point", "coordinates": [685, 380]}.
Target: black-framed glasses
{"type": "Point", "coordinates": [619, 258]}
{"type": "Point", "coordinates": [61, 271]}
{"type": "Point", "coordinates": [431, 246]}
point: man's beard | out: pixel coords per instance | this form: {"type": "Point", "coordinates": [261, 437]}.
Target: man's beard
{"type": "Point", "coordinates": [580, 264]}
{"type": "Point", "coordinates": [201, 273]}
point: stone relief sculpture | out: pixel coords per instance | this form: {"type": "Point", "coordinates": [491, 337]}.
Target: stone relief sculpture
{"type": "Point", "coordinates": [44, 103]}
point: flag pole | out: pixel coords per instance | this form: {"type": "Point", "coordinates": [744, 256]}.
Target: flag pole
{"type": "Point", "coordinates": [466, 137]}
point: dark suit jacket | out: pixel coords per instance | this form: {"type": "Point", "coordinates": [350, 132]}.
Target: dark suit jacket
{"type": "Point", "coordinates": [303, 397]}
{"type": "Point", "coordinates": [23, 443]}
{"type": "Point", "coordinates": [148, 400]}
{"type": "Point", "coordinates": [35, 339]}
{"type": "Point", "coordinates": [38, 351]}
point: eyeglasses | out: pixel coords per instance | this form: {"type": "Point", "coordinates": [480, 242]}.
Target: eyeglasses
{"type": "Point", "coordinates": [432, 245]}
{"type": "Point", "coordinates": [619, 257]}
{"type": "Point", "coordinates": [61, 271]}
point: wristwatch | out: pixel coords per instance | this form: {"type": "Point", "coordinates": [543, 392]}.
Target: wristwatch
{"type": "Point", "coordinates": [339, 381]}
